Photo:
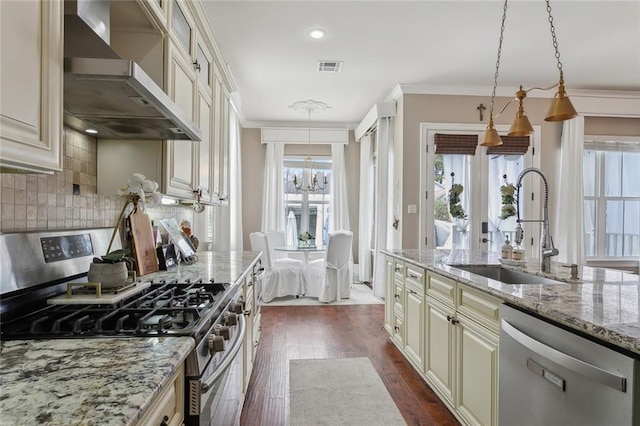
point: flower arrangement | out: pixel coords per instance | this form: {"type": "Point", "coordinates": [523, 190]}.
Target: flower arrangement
{"type": "Point", "coordinates": [305, 236]}
{"type": "Point", "coordinates": [455, 208]}
{"type": "Point", "coordinates": [138, 190]}
{"type": "Point", "coordinates": [507, 194]}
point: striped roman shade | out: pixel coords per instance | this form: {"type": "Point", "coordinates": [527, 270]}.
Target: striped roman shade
{"type": "Point", "coordinates": [456, 144]}
{"type": "Point", "coordinates": [511, 145]}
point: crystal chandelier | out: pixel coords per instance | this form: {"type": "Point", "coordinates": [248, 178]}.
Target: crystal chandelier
{"type": "Point", "coordinates": [561, 108]}
{"type": "Point", "coordinates": [309, 179]}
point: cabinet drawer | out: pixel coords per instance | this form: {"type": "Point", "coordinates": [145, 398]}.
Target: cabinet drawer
{"type": "Point", "coordinates": [441, 288]}
{"type": "Point", "coordinates": [479, 307]}
{"type": "Point", "coordinates": [398, 330]}
{"type": "Point", "coordinates": [398, 270]}
{"type": "Point", "coordinates": [415, 276]}
{"type": "Point", "coordinates": [398, 297]}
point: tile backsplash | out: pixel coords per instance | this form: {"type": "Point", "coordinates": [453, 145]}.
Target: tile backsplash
{"type": "Point", "coordinates": [67, 199]}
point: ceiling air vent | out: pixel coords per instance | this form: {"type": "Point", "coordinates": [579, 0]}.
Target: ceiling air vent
{"type": "Point", "coordinates": [330, 66]}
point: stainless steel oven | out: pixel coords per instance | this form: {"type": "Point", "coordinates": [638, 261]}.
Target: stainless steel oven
{"type": "Point", "coordinates": [36, 268]}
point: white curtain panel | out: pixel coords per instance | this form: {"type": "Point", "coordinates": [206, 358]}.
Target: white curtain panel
{"type": "Point", "coordinates": [383, 180]}
{"type": "Point", "coordinates": [235, 183]}
{"type": "Point", "coordinates": [273, 191]}
{"type": "Point", "coordinates": [569, 230]}
{"type": "Point", "coordinates": [339, 207]}
{"type": "Point", "coordinates": [366, 212]}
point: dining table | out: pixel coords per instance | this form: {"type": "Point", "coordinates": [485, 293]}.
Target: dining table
{"type": "Point", "coordinates": [306, 250]}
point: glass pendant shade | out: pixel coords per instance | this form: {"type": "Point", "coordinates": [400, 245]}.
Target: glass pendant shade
{"type": "Point", "coordinates": [491, 136]}
{"type": "Point", "coordinates": [561, 108]}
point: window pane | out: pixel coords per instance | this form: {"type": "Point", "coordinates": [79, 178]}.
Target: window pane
{"type": "Point", "coordinates": [499, 229]}
{"type": "Point", "coordinates": [589, 227]}
{"type": "Point", "coordinates": [631, 174]}
{"type": "Point", "coordinates": [181, 27]}
{"type": "Point", "coordinates": [612, 173]}
{"type": "Point", "coordinates": [589, 174]}
{"type": "Point", "coordinates": [451, 232]}
{"type": "Point", "coordinates": [631, 237]}
{"type": "Point", "coordinates": [614, 228]}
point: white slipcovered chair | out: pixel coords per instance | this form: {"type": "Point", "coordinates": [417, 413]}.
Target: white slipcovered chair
{"type": "Point", "coordinates": [330, 278]}
{"type": "Point", "coordinates": [279, 279]}
{"type": "Point", "coordinates": [277, 239]}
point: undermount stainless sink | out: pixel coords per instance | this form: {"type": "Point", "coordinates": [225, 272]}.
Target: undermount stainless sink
{"type": "Point", "coordinates": [507, 276]}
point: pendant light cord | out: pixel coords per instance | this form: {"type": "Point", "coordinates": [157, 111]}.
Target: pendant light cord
{"type": "Point", "coordinates": [552, 28]}
{"type": "Point", "coordinates": [495, 76]}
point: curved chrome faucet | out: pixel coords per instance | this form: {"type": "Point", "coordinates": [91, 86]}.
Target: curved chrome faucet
{"type": "Point", "coordinates": [546, 242]}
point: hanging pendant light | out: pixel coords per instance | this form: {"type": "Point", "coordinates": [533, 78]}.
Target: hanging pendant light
{"type": "Point", "coordinates": [561, 108]}
{"type": "Point", "coordinates": [491, 136]}
{"type": "Point", "coordinates": [308, 181]}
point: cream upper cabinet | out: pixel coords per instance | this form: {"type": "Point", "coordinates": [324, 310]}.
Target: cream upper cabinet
{"type": "Point", "coordinates": [31, 73]}
{"type": "Point", "coordinates": [180, 161]}
{"type": "Point", "coordinates": [221, 138]}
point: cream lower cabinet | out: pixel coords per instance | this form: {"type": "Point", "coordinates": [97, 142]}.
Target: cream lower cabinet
{"type": "Point", "coordinates": [453, 342]}
{"type": "Point", "coordinates": [414, 314]}
{"type": "Point", "coordinates": [168, 407]}
{"type": "Point", "coordinates": [31, 74]}
{"type": "Point", "coordinates": [439, 348]}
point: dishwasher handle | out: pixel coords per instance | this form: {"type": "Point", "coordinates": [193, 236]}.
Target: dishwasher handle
{"type": "Point", "coordinates": [574, 364]}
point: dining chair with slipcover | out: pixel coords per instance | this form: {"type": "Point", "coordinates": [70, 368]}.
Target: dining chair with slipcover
{"type": "Point", "coordinates": [277, 239]}
{"type": "Point", "coordinates": [330, 278]}
{"type": "Point", "coordinates": [280, 278]}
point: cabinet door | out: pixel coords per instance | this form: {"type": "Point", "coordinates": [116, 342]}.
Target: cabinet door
{"type": "Point", "coordinates": [414, 325]}
{"type": "Point", "coordinates": [389, 295]}
{"type": "Point", "coordinates": [221, 124]}
{"type": "Point", "coordinates": [31, 85]}
{"type": "Point", "coordinates": [203, 148]}
{"type": "Point", "coordinates": [180, 170]}
{"type": "Point", "coordinates": [439, 347]}
{"type": "Point", "coordinates": [477, 366]}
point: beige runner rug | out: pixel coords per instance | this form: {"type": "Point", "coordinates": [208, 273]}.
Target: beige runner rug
{"type": "Point", "coordinates": [343, 391]}
{"type": "Point", "coordinates": [360, 295]}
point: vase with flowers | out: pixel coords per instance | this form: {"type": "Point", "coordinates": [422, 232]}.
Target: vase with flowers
{"type": "Point", "coordinates": [112, 269]}
{"type": "Point", "coordinates": [306, 240]}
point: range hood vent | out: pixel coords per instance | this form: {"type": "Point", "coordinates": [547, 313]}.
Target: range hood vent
{"type": "Point", "coordinates": [110, 95]}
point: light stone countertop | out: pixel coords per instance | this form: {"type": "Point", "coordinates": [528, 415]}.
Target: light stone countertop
{"type": "Point", "coordinates": [85, 381]}
{"type": "Point", "coordinates": [602, 303]}
{"type": "Point", "coordinates": [102, 381]}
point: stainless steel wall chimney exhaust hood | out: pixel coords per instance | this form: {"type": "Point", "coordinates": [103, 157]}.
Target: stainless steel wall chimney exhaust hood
{"type": "Point", "coordinates": [111, 95]}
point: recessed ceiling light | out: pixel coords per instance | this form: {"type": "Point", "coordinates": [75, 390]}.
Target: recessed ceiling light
{"type": "Point", "coordinates": [92, 131]}
{"type": "Point", "coordinates": [317, 33]}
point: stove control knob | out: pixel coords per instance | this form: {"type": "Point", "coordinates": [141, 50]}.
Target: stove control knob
{"type": "Point", "coordinates": [230, 318]}
{"type": "Point", "coordinates": [223, 330]}
{"type": "Point", "coordinates": [237, 307]}
{"type": "Point", "coordinates": [216, 344]}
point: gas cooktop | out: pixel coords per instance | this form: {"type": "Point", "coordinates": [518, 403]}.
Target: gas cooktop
{"type": "Point", "coordinates": [157, 310]}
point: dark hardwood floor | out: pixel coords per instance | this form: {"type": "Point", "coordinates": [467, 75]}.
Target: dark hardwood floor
{"type": "Point", "coordinates": [295, 332]}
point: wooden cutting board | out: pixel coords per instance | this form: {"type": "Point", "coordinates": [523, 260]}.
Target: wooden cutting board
{"type": "Point", "coordinates": [144, 247]}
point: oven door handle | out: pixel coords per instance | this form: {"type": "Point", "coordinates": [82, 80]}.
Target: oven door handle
{"type": "Point", "coordinates": [228, 359]}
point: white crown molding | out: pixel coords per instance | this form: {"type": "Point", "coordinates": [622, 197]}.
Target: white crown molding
{"type": "Point", "coordinates": [248, 124]}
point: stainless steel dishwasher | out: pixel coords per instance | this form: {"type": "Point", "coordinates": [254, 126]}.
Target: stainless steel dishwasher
{"type": "Point", "coordinates": [550, 376]}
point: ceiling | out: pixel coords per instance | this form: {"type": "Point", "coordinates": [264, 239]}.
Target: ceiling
{"type": "Point", "coordinates": [442, 46]}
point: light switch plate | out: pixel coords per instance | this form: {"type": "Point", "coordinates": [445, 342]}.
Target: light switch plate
{"type": "Point", "coordinates": [412, 209]}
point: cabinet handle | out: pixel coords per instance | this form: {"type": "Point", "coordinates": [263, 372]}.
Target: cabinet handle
{"type": "Point", "coordinates": [165, 421]}
{"type": "Point", "coordinates": [452, 320]}
{"type": "Point", "coordinates": [397, 328]}
{"type": "Point", "coordinates": [398, 269]}
{"type": "Point", "coordinates": [397, 296]}
{"type": "Point", "coordinates": [413, 276]}
{"type": "Point", "coordinates": [413, 292]}
{"type": "Point", "coordinates": [196, 65]}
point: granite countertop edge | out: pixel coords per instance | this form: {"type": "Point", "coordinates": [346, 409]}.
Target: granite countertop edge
{"type": "Point", "coordinates": [574, 304]}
